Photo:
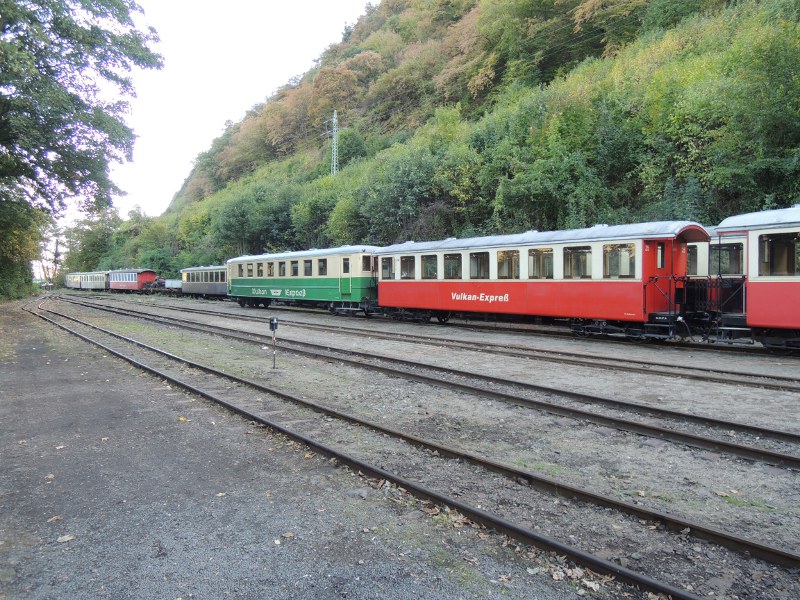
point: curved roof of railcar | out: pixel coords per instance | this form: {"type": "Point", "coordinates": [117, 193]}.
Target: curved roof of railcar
{"type": "Point", "coordinates": [716, 233]}
{"type": "Point", "coordinates": [693, 232]}
{"type": "Point", "coordinates": [132, 271]}
{"type": "Point", "coordinates": [88, 273]}
{"type": "Point", "coordinates": [765, 219]}
{"type": "Point", "coordinates": [309, 253]}
{"type": "Point", "coordinates": [217, 268]}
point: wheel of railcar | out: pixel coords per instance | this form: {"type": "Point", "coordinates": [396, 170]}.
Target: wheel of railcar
{"type": "Point", "coordinates": [241, 302]}
{"type": "Point", "coordinates": [578, 327]}
{"type": "Point", "coordinates": [775, 341]}
{"type": "Point", "coordinates": [636, 336]}
{"type": "Point", "coordinates": [443, 317]}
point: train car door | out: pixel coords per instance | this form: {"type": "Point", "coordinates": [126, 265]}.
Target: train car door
{"type": "Point", "coordinates": [345, 277]}
{"type": "Point", "coordinates": [657, 265]}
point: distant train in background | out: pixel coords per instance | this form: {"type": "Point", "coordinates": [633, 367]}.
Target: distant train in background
{"type": "Point", "coordinates": [121, 280]}
{"type": "Point", "coordinates": [738, 282]}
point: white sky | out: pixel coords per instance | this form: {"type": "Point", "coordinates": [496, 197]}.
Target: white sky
{"type": "Point", "coordinates": [220, 59]}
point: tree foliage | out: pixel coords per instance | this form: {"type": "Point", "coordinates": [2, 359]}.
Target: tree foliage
{"type": "Point", "coordinates": [64, 65]}
{"type": "Point", "coordinates": [465, 117]}
{"type": "Point", "coordinates": [64, 77]}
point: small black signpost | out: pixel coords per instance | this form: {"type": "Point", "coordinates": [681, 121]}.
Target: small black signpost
{"type": "Point", "coordinates": [273, 327]}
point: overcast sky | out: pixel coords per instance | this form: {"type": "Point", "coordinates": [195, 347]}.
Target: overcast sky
{"type": "Point", "coordinates": [220, 59]}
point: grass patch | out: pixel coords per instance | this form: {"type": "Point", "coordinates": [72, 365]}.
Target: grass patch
{"type": "Point", "coordinates": [749, 503]}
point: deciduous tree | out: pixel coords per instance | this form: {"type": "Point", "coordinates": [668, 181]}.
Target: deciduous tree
{"type": "Point", "coordinates": [64, 74]}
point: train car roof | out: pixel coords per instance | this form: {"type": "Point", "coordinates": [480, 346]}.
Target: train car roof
{"type": "Point", "coordinates": [765, 219]}
{"type": "Point", "coordinates": [309, 253]}
{"type": "Point", "coordinates": [132, 271]}
{"type": "Point", "coordinates": [218, 268]}
{"type": "Point", "coordinates": [716, 233]}
{"type": "Point", "coordinates": [693, 232]}
{"type": "Point", "coordinates": [88, 273]}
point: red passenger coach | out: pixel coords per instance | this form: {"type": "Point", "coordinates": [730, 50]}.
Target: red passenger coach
{"type": "Point", "coordinates": [772, 294]}
{"type": "Point", "coordinates": [130, 280]}
{"type": "Point", "coordinates": [621, 279]}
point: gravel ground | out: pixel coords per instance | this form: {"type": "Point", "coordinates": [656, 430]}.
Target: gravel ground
{"type": "Point", "coordinates": [108, 489]}
{"type": "Point", "coordinates": [735, 495]}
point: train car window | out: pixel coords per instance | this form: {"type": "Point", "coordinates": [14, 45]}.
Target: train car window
{"type": "Point", "coordinates": [260, 269]}
{"type": "Point", "coordinates": [307, 268]}
{"type": "Point", "coordinates": [429, 267]}
{"type": "Point", "coordinates": [479, 265]}
{"type": "Point", "coordinates": [726, 259]}
{"type": "Point", "coordinates": [346, 265]}
{"type": "Point", "coordinates": [366, 264]}
{"type": "Point", "coordinates": [619, 261]}
{"type": "Point", "coordinates": [387, 267]}
{"type": "Point", "coordinates": [661, 255]}
{"type": "Point", "coordinates": [691, 260]}
{"type": "Point", "coordinates": [222, 276]}
{"type": "Point", "coordinates": [270, 269]}
{"type": "Point", "coordinates": [452, 266]}
{"type": "Point", "coordinates": [281, 269]}
{"type": "Point", "coordinates": [540, 263]}
{"type": "Point", "coordinates": [779, 255]}
{"type": "Point", "coordinates": [241, 270]}
{"type": "Point", "coordinates": [578, 262]}
{"type": "Point", "coordinates": [322, 267]}
{"type": "Point", "coordinates": [508, 264]}
{"type": "Point", "coordinates": [249, 269]}
{"type": "Point", "coordinates": [295, 264]}
{"type": "Point", "coordinates": [407, 267]}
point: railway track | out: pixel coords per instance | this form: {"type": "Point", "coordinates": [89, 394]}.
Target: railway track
{"type": "Point", "coordinates": [435, 457]}
{"type": "Point", "coordinates": [545, 331]}
{"type": "Point", "coordinates": [582, 359]}
{"type": "Point", "coordinates": [412, 372]}
{"type": "Point", "coordinates": [704, 432]}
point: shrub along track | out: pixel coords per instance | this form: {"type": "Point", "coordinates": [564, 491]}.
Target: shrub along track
{"type": "Point", "coordinates": [516, 500]}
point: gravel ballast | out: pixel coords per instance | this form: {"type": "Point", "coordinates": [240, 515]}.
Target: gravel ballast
{"type": "Point", "coordinates": [116, 485]}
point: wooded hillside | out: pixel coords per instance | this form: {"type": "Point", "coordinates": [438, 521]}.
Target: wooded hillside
{"type": "Point", "coordinates": [462, 117]}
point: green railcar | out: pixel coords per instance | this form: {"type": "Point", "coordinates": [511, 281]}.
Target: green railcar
{"type": "Point", "coordinates": [340, 279]}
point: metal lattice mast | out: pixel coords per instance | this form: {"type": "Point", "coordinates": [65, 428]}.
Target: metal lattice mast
{"type": "Point", "coordinates": [335, 145]}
